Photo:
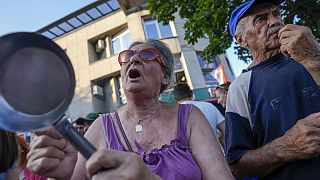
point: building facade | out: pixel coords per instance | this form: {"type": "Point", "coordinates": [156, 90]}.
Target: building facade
{"type": "Point", "coordinates": [93, 36]}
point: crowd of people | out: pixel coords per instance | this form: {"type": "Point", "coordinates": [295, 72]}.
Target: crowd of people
{"type": "Point", "coordinates": [271, 126]}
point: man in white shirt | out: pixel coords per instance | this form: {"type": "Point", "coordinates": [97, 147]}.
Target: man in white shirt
{"type": "Point", "coordinates": [183, 95]}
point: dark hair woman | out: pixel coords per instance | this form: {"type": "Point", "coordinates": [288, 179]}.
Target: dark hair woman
{"type": "Point", "coordinates": [8, 155]}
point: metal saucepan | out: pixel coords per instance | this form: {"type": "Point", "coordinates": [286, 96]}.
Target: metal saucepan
{"type": "Point", "coordinates": [37, 85]}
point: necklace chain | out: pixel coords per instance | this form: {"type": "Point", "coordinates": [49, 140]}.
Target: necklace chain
{"type": "Point", "coordinates": [138, 126]}
{"type": "Point", "coordinates": [144, 118]}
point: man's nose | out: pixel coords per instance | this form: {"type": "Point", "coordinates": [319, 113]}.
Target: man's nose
{"type": "Point", "coordinates": [274, 21]}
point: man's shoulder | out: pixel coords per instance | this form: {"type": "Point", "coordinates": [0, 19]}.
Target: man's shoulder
{"type": "Point", "coordinates": [200, 104]}
{"type": "Point", "coordinates": [242, 82]}
{"type": "Point", "coordinates": [237, 101]}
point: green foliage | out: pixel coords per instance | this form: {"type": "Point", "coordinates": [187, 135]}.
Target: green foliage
{"type": "Point", "coordinates": [209, 18]}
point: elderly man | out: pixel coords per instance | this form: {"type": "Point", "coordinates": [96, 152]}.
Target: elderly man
{"type": "Point", "coordinates": [272, 116]}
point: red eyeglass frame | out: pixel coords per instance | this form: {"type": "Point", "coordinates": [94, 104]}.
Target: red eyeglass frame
{"type": "Point", "coordinates": [158, 57]}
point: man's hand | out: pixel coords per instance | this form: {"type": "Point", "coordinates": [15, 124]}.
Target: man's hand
{"type": "Point", "coordinates": [302, 141]}
{"type": "Point", "coordinates": [299, 43]}
{"type": "Point", "coordinates": [51, 155]}
{"type": "Point", "coordinates": [108, 164]}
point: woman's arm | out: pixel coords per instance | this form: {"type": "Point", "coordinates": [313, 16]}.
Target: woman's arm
{"type": "Point", "coordinates": [96, 137]}
{"type": "Point", "coordinates": [205, 148]}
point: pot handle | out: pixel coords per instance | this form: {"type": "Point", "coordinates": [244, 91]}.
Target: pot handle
{"type": "Point", "coordinates": [74, 137]}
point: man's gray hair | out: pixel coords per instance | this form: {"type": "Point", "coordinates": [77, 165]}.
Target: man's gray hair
{"type": "Point", "coordinates": [240, 28]}
{"type": "Point", "coordinates": [166, 57]}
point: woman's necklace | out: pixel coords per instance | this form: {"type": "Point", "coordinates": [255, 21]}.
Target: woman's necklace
{"type": "Point", "coordinates": [138, 127]}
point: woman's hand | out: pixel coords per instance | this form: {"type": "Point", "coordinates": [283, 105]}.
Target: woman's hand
{"type": "Point", "coordinates": [108, 164]}
{"type": "Point", "coordinates": [51, 155]}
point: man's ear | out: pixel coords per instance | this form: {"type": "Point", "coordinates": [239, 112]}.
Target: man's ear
{"type": "Point", "coordinates": [241, 40]}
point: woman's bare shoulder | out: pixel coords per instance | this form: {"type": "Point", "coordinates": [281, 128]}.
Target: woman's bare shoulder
{"type": "Point", "coordinates": [170, 106]}
{"type": "Point", "coordinates": [95, 133]}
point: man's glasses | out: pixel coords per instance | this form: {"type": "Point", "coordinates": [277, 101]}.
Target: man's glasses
{"type": "Point", "coordinates": [146, 55]}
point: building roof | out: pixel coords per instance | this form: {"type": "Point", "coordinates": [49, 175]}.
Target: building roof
{"type": "Point", "coordinates": [79, 18]}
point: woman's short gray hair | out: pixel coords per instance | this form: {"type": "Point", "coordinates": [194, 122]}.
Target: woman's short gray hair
{"type": "Point", "coordinates": [166, 57]}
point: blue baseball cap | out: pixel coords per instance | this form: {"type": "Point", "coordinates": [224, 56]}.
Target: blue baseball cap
{"type": "Point", "coordinates": [241, 10]}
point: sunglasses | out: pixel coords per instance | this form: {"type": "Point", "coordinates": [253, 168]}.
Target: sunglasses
{"type": "Point", "coordinates": [146, 55]}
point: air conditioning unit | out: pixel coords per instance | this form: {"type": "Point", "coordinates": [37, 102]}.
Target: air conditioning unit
{"type": "Point", "coordinates": [97, 91]}
{"type": "Point", "coordinates": [100, 46]}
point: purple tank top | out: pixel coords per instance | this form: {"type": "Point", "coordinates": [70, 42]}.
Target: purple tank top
{"type": "Point", "coordinates": [172, 161]}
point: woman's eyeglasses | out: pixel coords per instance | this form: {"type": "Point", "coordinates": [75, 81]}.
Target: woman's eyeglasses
{"type": "Point", "coordinates": [146, 55]}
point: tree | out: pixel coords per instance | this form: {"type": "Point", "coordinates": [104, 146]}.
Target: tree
{"type": "Point", "coordinates": [209, 18]}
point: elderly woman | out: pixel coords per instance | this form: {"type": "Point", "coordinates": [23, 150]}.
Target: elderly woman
{"type": "Point", "coordinates": [174, 141]}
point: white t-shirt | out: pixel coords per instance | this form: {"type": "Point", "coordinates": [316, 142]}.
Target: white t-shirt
{"type": "Point", "coordinates": [212, 114]}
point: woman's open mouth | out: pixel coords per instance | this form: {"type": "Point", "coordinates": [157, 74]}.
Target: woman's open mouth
{"type": "Point", "coordinates": [134, 74]}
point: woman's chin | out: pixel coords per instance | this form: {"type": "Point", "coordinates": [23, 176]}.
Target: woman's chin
{"type": "Point", "coordinates": [134, 88]}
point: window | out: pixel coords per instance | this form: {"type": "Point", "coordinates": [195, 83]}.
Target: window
{"type": "Point", "coordinates": [209, 77]}
{"type": "Point", "coordinates": [121, 42]}
{"type": "Point", "coordinates": [177, 64]}
{"type": "Point", "coordinates": [204, 63]}
{"type": "Point", "coordinates": [180, 77]}
{"type": "Point", "coordinates": [97, 49]}
{"type": "Point", "coordinates": [155, 30]}
{"type": "Point", "coordinates": [208, 69]}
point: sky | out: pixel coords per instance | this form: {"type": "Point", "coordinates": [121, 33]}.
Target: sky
{"type": "Point", "coordinates": [32, 15]}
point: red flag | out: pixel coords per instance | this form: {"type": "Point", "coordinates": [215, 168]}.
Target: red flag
{"type": "Point", "coordinates": [220, 75]}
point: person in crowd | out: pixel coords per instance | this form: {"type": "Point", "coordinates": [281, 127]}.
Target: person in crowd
{"type": "Point", "coordinates": [221, 92]}
{"type": "Point", "coordinates": [82, 124]}
{"type": "Point", "coordinates": [145, 139]}
{"type": "Point", "coordinates": [78, 127]}
{"type": "Point", "coordinates": [221, 109]}
{"type": "Point", "coordinates": [272, 115]}
{"type": "Point", "coordinates": [183, 95]}
{"type": "Point", "coordinates": [24, 173]}
{"type": "Point", "coordinates": [8, 156]}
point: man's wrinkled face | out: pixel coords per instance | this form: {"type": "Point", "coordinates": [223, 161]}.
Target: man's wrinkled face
{"type": "Point", "coordinates": [261, 26]}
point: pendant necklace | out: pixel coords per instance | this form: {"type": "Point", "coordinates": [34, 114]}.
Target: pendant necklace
{"type": "Point", "coordinates": [138, 127]}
